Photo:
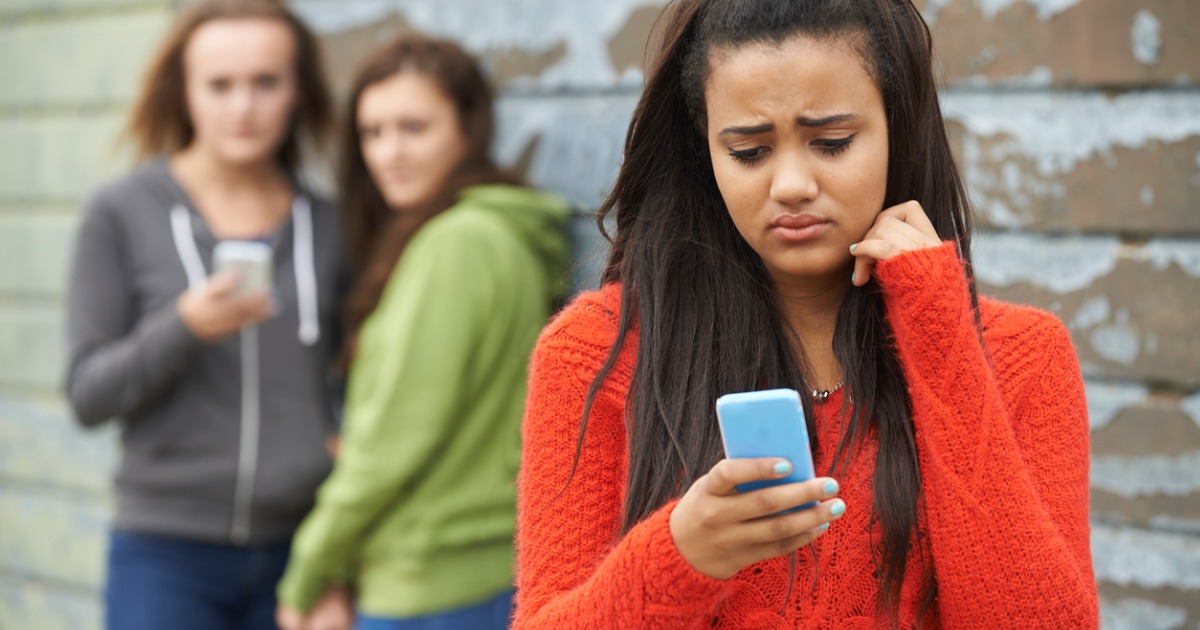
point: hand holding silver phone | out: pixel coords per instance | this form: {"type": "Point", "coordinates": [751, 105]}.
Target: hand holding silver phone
{"type": "Point", "coordinates": [251, 260]}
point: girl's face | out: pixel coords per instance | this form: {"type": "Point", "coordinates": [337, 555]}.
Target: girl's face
{"type": "Point", "coordinates": [410, 138]}
{"type": "Point", "coordinates": [241, 87]}
{"type": "Point", "coordinates": [798, 139]}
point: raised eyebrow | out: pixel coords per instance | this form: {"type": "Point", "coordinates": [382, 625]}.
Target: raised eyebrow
{"type": "Point", "coordinates": [826, 121]}
{"type": "Point", "coordinates": [746, 131]}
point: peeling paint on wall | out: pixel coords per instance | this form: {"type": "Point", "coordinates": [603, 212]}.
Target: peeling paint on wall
{"type": "Point", "coordinates": [1144, 558]}
{"type": "Point", "coordinates": [1191, 406]}
{"type": "Point", "coordinates": [1046, 9]}
{"type": "Point", "coordinates": [1118, 341]}
{"type": "Point", "coordinates": [1061, 265]}
{"type": "Point", "coordinates": [1164, 251]}
{"type": "Point", "coordinates": [1093, 311]}
{"type": "Point", "coordinates": [587, 26]}
{"type": "Point", "coordinates": [1145, 36]}
{"type": "Point", "coordinates": [1134, 613]}
{"type": "Point", "coordinates": [1170, 523]}
{"type": "Point", "coordinates": [1057, 131]}
{"type": "Point", "coordinates": [1132, 477]}
{"type": "Point", "coordinates": [1106, 400]}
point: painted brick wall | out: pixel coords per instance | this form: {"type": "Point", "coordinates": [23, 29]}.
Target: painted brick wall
{"type": "Point", "coordinates": [1077, 123]}
{"type": "Point", "coordinates": [67, 69]}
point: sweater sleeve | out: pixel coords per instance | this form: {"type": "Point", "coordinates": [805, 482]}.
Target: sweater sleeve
{"type": "Point", "coordinates": [1005, 486]}
{"type": "Point", "coordinates": [117, 363]}
{"type": "Point", "coordinates": [571, 570]}
{"type": "Point", "coordinates": [402, 402]}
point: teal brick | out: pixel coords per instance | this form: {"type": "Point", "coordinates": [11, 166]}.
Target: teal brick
{"type": "Point", "coordinates": [35, 251]}
{"type": "Point", "coordinates": [32, 605]}
{"type": "Point", "coordinates": [42, 444]}
{"type": "Point", "coordinates": [32, 352]}
{"type": "Point", "coordinates": [95, 60]}
{"type": "Point", "coordinates": [58, 158]}
{"type": "Point", "coordinates": [60, 538]}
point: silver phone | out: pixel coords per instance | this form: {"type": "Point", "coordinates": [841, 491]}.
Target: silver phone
{"type": "Point", "coordinates": [250, 259]}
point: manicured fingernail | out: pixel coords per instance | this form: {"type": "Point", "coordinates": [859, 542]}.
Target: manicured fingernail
{"type": "Point", "coordinates": [782, 468]}
{"type": "Point", "coordinates": [837, 508]}
{"type": "Point", "coordinates": [853, 246]}
{"type": "Point", "coordinates": [831, 487]}
{"type": "Point", "coordinates": [852, 277]}
{"type": "Point", "coordinates": [824, 526]}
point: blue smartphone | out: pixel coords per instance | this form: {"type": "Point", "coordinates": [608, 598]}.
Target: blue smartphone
{"type": "Point", "coordinates": [767, 423]}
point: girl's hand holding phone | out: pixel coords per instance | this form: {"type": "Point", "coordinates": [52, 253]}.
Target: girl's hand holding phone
{"type": "Point", "coordinates": [220, 307]}
{"type": "Point", "coordinates": [721, 531]}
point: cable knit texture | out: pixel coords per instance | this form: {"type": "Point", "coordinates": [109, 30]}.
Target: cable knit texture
{"type": "Point", "coordinates": [1002, 433]}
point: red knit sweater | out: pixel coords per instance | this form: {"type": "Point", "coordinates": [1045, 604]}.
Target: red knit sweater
{"type": "Point", "coordinates": [1002, 437]}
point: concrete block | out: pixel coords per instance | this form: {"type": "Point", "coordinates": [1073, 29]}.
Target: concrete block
{"type": "Point", "coordinates": [42, 444]}
{"type": "Point", "coordinates": [1130, 308]}
{"type": "Point", "coordinates": [59, 158]}
{"type": "Point", "coordinates": [32, 347]}
{"type": "Point", "coordinates": [1032, 43]}
{"type": "Point", "coordinates": [1080, 161]}
{"type": "Point", "coordinates": [35, 252]}
{"type": "Point", "coordinates": [27, 604]}
{"type": "Point", "coordinates": [94, 60]}
{"type": "Point", "coordinates": [58, 538]}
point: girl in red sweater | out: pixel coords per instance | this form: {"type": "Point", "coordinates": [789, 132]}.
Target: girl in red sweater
{"type": "Point", "coordinates": [789, 215]}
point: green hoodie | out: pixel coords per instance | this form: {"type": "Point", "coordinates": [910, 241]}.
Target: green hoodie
{"type": "Point", "coordinates": [418, 513]}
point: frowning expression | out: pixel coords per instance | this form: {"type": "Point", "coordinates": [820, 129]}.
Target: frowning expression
{"type": "Point", "coordinates": [798, 139]}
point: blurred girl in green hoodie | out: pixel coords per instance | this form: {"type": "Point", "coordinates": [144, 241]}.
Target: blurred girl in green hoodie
{"type": "Point", "coordinates": [459, 269]}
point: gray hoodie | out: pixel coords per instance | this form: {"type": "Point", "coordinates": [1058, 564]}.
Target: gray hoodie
{"type": "Point", "coordinates": [222, 442]}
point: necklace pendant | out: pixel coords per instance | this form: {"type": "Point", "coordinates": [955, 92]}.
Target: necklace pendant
{"type": "Point", "coordinates": [821, 395]}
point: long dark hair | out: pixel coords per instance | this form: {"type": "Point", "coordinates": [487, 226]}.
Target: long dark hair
{"type": "Point", "coordinates": [707, 317]}
{"type": "Point", "coordinates": [377, 234]}
{"type": "Point", "coordinates": [158, 122]}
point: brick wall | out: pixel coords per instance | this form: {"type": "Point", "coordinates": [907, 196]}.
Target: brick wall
{"type": "Point", "coordinates": [67, 69]}
{"type": "Point", "coordinates": [1076, 122]}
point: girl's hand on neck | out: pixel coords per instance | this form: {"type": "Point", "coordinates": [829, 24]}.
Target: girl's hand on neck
{"type": "Point", "coordinates": [901, 228]}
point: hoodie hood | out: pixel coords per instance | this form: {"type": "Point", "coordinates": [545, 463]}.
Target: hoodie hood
{"type": "Point", "coordinates": [539, 217]}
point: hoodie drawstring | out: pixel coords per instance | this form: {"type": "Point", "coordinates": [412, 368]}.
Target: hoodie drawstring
{"type": "Point", "coordinates": [304, 264]}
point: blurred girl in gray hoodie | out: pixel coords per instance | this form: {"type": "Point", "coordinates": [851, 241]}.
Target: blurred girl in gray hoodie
{"type": "Point", "coordinates": [221, 391]}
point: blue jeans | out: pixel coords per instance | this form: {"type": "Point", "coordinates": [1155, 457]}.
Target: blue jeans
{"type": "Point", "coordinates": [155, 582]}
{"type": "Point", "coordinates": [492, 614]}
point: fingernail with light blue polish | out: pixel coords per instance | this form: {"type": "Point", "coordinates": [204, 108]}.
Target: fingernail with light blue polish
{"type": "Point", "coordinates": [782, 468]}
{"type": "Point", "coordinates": [831, 487]}
{"type": "Point", "coordinates": [837, 508]}
{"type": "Point", "coordinates": [852, 277]}
{"type": "Point", "coordinates": [824, 526]}
{"type": "Point", "coordinates": [853, 246]}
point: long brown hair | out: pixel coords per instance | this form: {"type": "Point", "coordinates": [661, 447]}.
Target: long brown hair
{"type": "Point", "coordinates": [376, 233]}
{"type": "Point", "coordinates": [702, 301]}
{"type": "Point", "coordinates": [158, 123]}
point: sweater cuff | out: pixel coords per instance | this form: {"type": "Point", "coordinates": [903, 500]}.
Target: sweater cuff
{"type": "Point", "coordinates": [928, 280]}
{"type": "Point", "coordinates": [668, 580]}
{"type": "Point", "coordinates": [302, 586]}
